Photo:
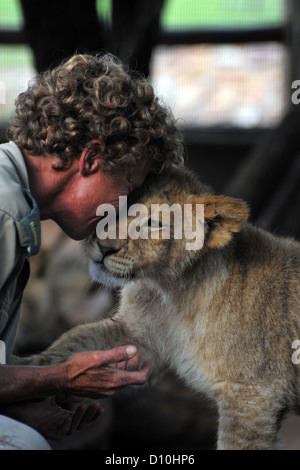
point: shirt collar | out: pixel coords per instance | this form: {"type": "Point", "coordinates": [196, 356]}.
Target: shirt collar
{"type": "Point", "coordinates": [29, 227]}
{"type": "Point", "coordinates": [16, 157]}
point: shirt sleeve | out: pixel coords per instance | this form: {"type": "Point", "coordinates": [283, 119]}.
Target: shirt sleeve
{"type": "Point", "coordinates": [9, 252]}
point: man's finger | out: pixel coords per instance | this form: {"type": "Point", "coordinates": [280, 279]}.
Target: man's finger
{"type": "Point", "coordinates": [84, 415]}
{"type": "Point", "coordinates": [77, 417]}
{"type": "Point", "coordinates": [127, 377]}
{"type": "Point", "coordinates": [143, 373]}
{"type": "Point", "coordinates": [133, 363]}
{"type": "Point", "coordinates": [91, 414]}
{"type": "Point", "coordinates": [121, 365]}
{"type": "Point", "coordinates": [122, 353]}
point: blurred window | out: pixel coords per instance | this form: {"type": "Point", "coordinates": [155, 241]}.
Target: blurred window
{"type": "Point", "coordinates": [205, 85]}
{"type": "Point", "coordinates": [16, 69]}
{"type": "Point", "coordinates": [222, 85]}
{"type": "Point", "coordinates": [196, 14]}
{"type": "Point", "coordinates": [10, 14]}
{"type": "Point", "coordinates": [16, 62]}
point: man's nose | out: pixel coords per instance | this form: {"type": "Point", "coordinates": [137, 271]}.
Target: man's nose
{"type": "Point", "coordinates": [107, 250]}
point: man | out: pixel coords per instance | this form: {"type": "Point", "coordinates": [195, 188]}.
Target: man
{"type": "Point", "coordinates": [83, 134]}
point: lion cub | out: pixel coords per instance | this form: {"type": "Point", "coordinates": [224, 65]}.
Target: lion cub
{"type": "Point", "coordinates": [223, 317]}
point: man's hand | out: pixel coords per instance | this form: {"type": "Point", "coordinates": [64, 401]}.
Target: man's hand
{"type": "Point", "coordinates": [95, 374]}
{"type": "Point", "coordinates": [50, 419]}
{"type": "Point", "coordinates": [100, 374]}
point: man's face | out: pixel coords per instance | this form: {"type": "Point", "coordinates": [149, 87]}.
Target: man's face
{"type": "Point", "coordinates": [79, 201]}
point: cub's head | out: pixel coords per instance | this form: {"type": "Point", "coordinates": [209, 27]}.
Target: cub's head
{"type": "Point", "coordinates": [163, 228]}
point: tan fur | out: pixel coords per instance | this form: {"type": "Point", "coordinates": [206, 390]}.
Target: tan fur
{"type": "Point", "coordinates": [223, 318]}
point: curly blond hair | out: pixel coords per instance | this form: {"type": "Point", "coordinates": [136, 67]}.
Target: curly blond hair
{"type": "Point", "coordinates": [93, 97]}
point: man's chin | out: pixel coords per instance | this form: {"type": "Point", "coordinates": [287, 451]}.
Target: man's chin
{"type": "Point", "coordinates": [77, 234]}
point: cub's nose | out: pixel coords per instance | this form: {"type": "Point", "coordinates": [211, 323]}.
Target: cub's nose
{"type": "Point", "coordinates": [107, 250]}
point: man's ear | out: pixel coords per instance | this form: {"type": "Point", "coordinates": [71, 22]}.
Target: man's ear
{"type": "Point", "coordinates": [223, 216]}
{"type": "Point", "coordinates": [90, 158]}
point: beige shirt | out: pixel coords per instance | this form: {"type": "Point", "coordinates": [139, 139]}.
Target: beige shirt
{"type": "Point", "coordinates": [19, 238]}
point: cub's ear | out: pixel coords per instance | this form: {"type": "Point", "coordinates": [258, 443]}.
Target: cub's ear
{"type": "Point", "coordinates": [223, 216]}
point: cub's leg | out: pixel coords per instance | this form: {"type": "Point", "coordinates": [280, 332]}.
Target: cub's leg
{"type": "Point", "coordinates": [103, 335]}
{"type": "Point", "coordinates": [248, 418]}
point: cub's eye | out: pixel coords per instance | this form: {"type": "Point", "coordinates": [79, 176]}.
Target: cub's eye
{"type": "Point", "coordinates": [154, 223]}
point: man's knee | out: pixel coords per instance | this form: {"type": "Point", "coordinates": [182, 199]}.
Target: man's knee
{"type": "Point", "coordinates": [19, 436]}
